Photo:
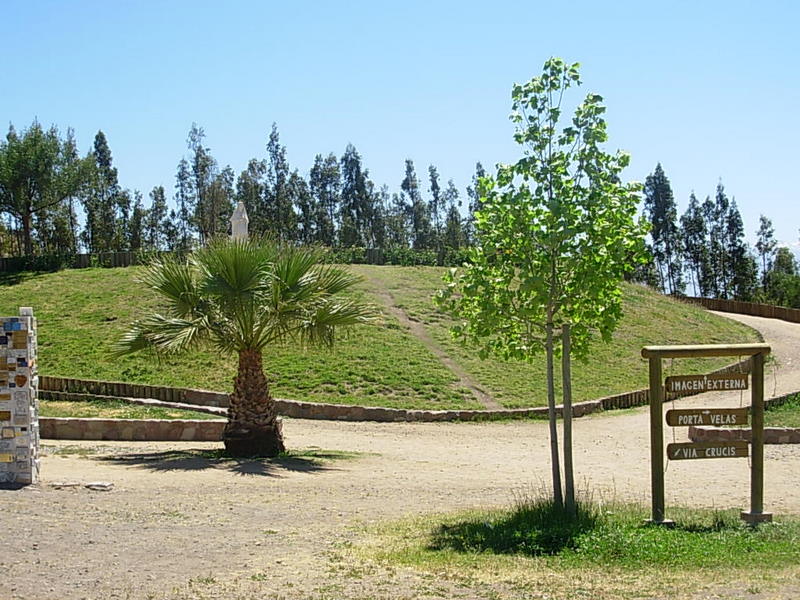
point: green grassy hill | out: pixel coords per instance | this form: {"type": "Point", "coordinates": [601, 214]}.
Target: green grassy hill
{"type": "Point", "coordinates": [81, 312]}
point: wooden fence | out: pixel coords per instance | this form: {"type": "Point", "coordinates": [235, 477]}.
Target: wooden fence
{"type": "Point", "coordinates": [748, 308]}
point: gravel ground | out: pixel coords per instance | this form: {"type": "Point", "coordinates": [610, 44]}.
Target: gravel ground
{"type": "Point", "coordinates": [179, 525]}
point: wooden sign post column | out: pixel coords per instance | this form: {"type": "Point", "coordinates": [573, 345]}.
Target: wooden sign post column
{"type": "Point", "coordinates": [655, 354]}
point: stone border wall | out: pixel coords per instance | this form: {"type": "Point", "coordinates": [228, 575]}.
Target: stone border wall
{"type": "Point", "coordinates": [60, 388]}
{"type": "Point", "coordinates": [772, 435]}
{"type": "Point", "coordinates": [150, 430]}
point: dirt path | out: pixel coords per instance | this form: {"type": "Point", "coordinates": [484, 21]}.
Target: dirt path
{"type": "Point", "coordinates": [183, 526]}
{"type": "Point", "coordinates": [418, 330]}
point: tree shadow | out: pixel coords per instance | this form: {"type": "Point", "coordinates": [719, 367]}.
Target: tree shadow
{"type": "Point", "coordinates": [198, 460]}
{"type": "Point", "coordinates": [8, 279]}
{"type": "Point", "coordinates": [536, 529]}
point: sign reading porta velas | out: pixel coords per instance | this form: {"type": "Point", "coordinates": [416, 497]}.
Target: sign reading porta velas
{"type": "Point", "coordinates": [684, 417]}
{"type": "Point", "coordinates": [706, 383]}
{"type": "Point", "coordinates": [688, 451]}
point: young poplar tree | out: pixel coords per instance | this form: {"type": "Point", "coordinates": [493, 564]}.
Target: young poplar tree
{"type": "Point", "coordinates": [555, 234]}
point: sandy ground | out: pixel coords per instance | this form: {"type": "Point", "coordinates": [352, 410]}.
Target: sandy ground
{"type": "Point", "coordinates": [177, 525]}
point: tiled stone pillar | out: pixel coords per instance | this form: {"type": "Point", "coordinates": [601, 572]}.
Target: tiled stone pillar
{"type": "Point", "coordinates": [19, 402]}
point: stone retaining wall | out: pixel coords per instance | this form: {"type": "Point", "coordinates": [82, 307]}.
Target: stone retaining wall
{"type": "Point", "coordinates": [150, 430]}
{"type": "Point", "coordinates": [772, 435]}
{"type": "Point", "coordinates": [346, 412]}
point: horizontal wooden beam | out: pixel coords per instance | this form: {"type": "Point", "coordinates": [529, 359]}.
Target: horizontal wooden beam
{"type": "Point", "coordinates": [700, 350]}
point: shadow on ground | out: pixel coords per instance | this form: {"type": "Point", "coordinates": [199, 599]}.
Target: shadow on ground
{"type": "Point", "coordinates": [314, 461]}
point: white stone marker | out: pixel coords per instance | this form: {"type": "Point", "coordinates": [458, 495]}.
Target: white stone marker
{"type": "Point", "coordinates": [239, 222]}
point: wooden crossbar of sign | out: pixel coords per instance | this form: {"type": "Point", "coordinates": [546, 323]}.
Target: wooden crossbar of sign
{"type": "Point", "coordinates": [706, 383]}
{"type": "Point", "coordinates": [683, 417]}
{"type": "Point", "coordinates": [692, 450]}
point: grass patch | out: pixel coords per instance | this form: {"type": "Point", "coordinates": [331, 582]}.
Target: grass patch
{"type": "Point", "coordinates": [82, 451]}
{"type": "Point", "coordinates": [115, 409]}
{"type": "Point", "coordinates": [607, 552]}
{"type": "Point", "coordinates": [650, 319]}
{"type": "Point", "coordinates": [785, 415]}
{"type": "Point", "coordinates": [81, 312]}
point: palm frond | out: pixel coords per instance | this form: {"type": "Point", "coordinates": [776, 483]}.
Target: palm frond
{"type": "Point", "coordinates": [176, 281]}
{"type": "Point", "coordinates": [234, 269]}
{"type": "Point", "coordinates": [332, 280]}
{"type": "Point", "coordinates": [163, 334]}
{"type": "Point", "coordinates": [293, 274]}
{"type": "Point", "coordinates": [320, 325]}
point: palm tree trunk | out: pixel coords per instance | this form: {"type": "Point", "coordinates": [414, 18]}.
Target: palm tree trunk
{"type": "Point", "coordinates": [253, 429]}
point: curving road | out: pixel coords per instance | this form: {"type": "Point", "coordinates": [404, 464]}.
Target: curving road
{"type": "Point", "coordinates": [168, 521]}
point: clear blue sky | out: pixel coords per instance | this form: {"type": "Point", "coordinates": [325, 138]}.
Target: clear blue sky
{"type": "Point", "coordinates": [709, 89]}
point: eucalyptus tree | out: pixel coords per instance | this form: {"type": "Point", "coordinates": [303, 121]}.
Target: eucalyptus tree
{"type": "Point", "coordinates": [281, 220]}
{"type": "Point", "coordinates": [102, 200]}
{"type": "Point", "coordinates": [185, 203]}
{"type": "Point", "coordinates": [245, 297]}
{"type": "Point", "coordinates": [418, 213]}
{"type": "Point", "coordinates": [659, 206]}
{"type": "Point", "coordinates": [355, 200]}
{"type": "Point", "coordinates": [155, 234]}
{"type": "Point", "coordinates": [765, 246]}
{"type": "Point", "coordinates": [39, 172]}
{"type": "Point", "coordinates": [454, 234]}
{"type": "Point", "coordinates": [325, 182]}
{"type": "Point", "coordinates": [474, 201]}
{"type": "Point", "coordinates": [436, 206]}
{"type": "Point", "coordinates": [556, 232]}
{"type": "Point", "coordinates": [694, 233]}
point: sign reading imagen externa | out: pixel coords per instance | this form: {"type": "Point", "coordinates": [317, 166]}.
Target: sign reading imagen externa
{"type": "Point", "coordinates": [706, 383]}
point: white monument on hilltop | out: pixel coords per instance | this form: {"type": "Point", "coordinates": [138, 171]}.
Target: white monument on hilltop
{"type": "Point", "coordinates": [239, 222]}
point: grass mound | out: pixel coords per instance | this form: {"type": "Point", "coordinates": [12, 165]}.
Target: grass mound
{"type": "Point", "coordinates": [82, 312]}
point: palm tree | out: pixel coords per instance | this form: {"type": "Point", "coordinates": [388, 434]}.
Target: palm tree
{"type": "Point", "coordinates": [244, 296]}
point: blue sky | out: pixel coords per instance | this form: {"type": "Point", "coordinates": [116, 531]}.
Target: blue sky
{"type": "Point", "coordinates": [709, 89]}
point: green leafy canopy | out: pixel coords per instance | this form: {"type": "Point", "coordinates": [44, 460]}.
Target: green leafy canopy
{"type": "Point", "coordinates": [245, 295]}
{"type": "Point", "coordinates": [557, 230]}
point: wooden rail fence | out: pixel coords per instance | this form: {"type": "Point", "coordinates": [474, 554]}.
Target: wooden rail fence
{"type": "Point", "coordinates": [748, 308]}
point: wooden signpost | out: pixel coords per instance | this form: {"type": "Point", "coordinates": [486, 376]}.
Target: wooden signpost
{"type": "Point", "coordinates": [707, 416]}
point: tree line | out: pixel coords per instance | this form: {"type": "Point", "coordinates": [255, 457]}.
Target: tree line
{"type": "Point", "coordinates": [55, 201]}
{"type": "Point", "coordinates": [45, 184]}
{"type": "Point", "coordinates": [703, 252]}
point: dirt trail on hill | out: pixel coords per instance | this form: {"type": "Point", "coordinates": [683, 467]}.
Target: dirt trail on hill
{"type": "Point", "coordinates": [178, 525]}
{"type": "Point", "coordinates": [418, 330]}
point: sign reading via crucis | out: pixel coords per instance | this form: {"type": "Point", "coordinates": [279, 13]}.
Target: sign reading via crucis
{"type": "Point", "coordinates": [688, 451]}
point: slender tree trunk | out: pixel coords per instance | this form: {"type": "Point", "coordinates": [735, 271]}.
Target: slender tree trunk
{"type": "Point", "coordinates": [253, 428]}
{"type": "Point", "coordinates": [26, 233]}
{"type": "Point", "coordinates": [551, 413]}
{"type": "Point", "coordinates": [566, 390]}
